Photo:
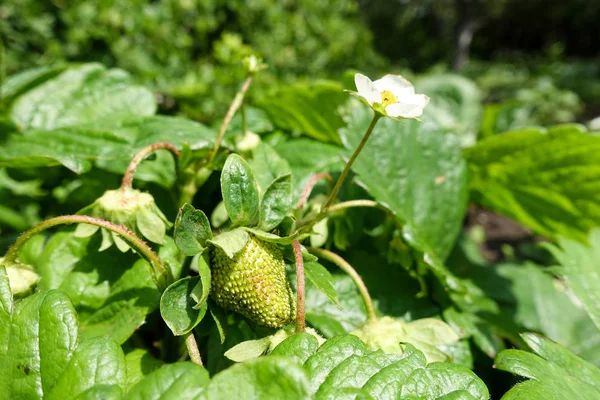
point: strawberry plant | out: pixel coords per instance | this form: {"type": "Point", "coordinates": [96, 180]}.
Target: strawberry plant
{"type": "Point", "coordinates": [311, 245]}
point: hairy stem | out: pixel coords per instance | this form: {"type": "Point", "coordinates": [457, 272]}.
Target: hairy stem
{"type": "Point", "coordinates": [306, 224]}
{"type": "Point", "coordinates": [346, 170]}
{"type": "Point", "coordinates": [192, 347]}
{"type": "Point", "coordinates": [354, 203]}
{"type": "Point", "coordinates": [347, 268]}
{"type": "Point", "coordinates": [235, 104]}
{"type": "Point", "coordinates": [140, 156]}
{"type": "Point", "coordinates": [309, 187]}
{"type": "Point", "coordinates": [159, 272]}
{"type": "Point", "coordinates": [300, 309]}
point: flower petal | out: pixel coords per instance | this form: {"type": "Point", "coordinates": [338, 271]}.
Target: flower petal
{"type": "Point", "coordinates": [366, 89]}
{"type": "Point", "coordinates": [420, 100]}
{"type": "Point", "coordinates": [404, 110]}
{"type": "Point", "coordinates": [396, 84]}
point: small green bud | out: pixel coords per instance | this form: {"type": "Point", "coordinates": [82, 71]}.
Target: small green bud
{"type": "Point", "coordinates": [253, 64]}
{"type": "Point", "coordinates": [130, 208]}
{"type": "Point", "coordinates": [425, 334]}
{"type": "Point", "coordinates": [21, 277]}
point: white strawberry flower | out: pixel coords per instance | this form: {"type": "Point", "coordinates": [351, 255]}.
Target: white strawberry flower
{"type": "Point", "coordinates": [392, 96]}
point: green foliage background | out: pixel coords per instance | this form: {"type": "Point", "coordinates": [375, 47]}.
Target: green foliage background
{"type": "Point", "coordinates": [486, 219]}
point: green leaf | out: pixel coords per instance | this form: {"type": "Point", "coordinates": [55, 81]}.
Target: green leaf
{"type": "Point", "coordinates": [271, 237]}
{"type": "Point", "coordinates": [580, 270]}
{"type": "Point", "coordinates": [322, 279]}
{"type": "Point", "coordinates": [560, 373]}
{"type": "Point", "coordinates": [298, 347]}
{"type": "Point", "coordinates": [19, 83]}
{"type": "Point", "coordinates": [177, 306]}
{"type": "Point", "coordinates": [265, 378]}
{"type": "Point", "coordinates": [102, 392]}
{"type": "Point", "coordinates": [200, 293]}
{"type": "Point", "coordinates": [139, 364]}
{"type": "Point", "coordinates": [425, 334]}
{"type": "Point", "coordinates": [331, 354]}
{"type": "Point", "coordinates": [326, 316]}
{"type": "Point", "coordinates": [111, 144]}
{"type": "Point", "coordinates": [6, 305]}
{"type": "Point", "coordinates": [455, 105]}
{"type": "Point", "coordinates": [182, 380]}
{"type": "Point", "coordinates": [388, 382]}
{"type": "Point", "coordinates": [444, 379]}
{"type": "Point", "coordinates": [240, 191]}
{"type": "Point", "coordinates": [231, 242]}
{"type": "Point", "coordinates": [308, 157]}
{"type": "Point", "coordinates": [308, 109]}
{"type": "Point", "coordinates": [276, 203]}
{"type": "Point", "coordinates": [417, 173]}
{"type": "Point", "coordinates": [536, 300]}
{"type": "Point", "coordinates": [82, 94]}
{"type": "Point", "coordinates": [192, 230]}
{"type": "Point", "coordinates": [113, 292]}
{"type": "Point", "coordinates": [267, 165]}
{"type": "Point", "coordinates": [249, 349]}
{"type": "Point", "coordinates": [44, 357]}
{"type": "Point", "coordinates": [354, 372]}
{"type": "Point", "coordinates": [546, 180]}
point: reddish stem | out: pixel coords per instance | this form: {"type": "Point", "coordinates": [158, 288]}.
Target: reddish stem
{"type": "Point", "coordinates": [140, 156]}
{"type": "Point", "coordinates": [310, 185]}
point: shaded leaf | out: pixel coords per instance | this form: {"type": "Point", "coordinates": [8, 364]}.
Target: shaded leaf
{"type": "Point", "coordinates": [580, 269]}
{"type": "Point", "coordinates": [113, 292]}
{"type": "Point", "coordinates": [192, 230]}
{"type": "Point", "coordinates": [265, 378]}
{"type": "Point", "coordinates": [561, 374]}
{"type": "Point", "coordinates": [276, 203]}
{"type": "Point", "coordinates": [267, 165]}
{"type": "Point", "coordinates": [177, 306]}
{"type": "Point", "coordinates": [322, 279]}
{"type": "Point", "coordinates": [139, 364]}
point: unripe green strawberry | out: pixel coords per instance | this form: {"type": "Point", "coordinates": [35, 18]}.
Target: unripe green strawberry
{"type": "Point", "coordinates": [253, 283]}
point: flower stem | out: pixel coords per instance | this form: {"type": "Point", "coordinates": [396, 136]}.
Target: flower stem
{"type": "Point", "coordinates": [140, 156]}
{"type": "Point", "coordinates": [235, 104]}
{"type": "Point", "coordinates": [347, 268]}
{"type": "Point", "coordinates": [300, 288]}
{"type": "Point", "coordinates": [346, 170]}
{"type": "Point", "coordinates": [192, 347]}
{"type": "Point", "coordinates": [307, 223]}
{"type": "Point", "coordinates": [159, 272]}
{"type": "Point", "coordinates": [354, 203]}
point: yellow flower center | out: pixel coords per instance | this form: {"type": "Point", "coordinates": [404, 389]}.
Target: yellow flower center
{"type": "Point", "coordinates": [388, 98]}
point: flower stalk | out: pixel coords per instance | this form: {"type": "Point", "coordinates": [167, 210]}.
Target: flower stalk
{"type": "Point", "coordinates": [140, 156]}
{"type": "Point", "coordinates": [192, 347]}
{"type": "Point", "coordinates": [159, 272]}
{"type": "Point", "coordinates": [235, 104]}
{"type": "Point", "coordinates": [300, 289]}
{"type": "Point", "coordinates": [347, 268]}
{"type": "Point", "coordinates": [342, 178]}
